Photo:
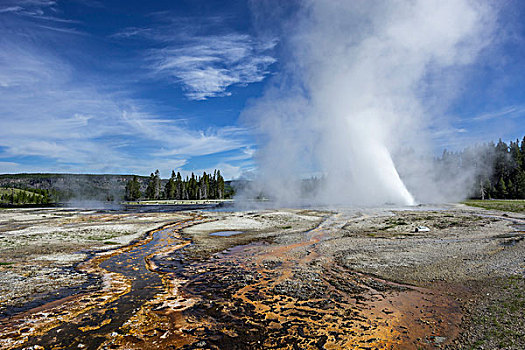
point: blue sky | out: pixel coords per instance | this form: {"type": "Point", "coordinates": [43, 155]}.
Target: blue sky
{"type": "Point", "coordinates": [133, 86]}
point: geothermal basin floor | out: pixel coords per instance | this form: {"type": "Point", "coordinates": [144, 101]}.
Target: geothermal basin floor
{"type": "Point", "coordinates": [283, 279]}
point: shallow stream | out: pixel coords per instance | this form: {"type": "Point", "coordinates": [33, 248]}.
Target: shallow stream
{"type": "Point", "coordinates": [91, 328]}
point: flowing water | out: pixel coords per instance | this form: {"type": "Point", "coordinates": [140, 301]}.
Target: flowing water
{"type": "Point", "coordinates": [257, 295]}
{"type": "Point", "coordinates": [91, 328]}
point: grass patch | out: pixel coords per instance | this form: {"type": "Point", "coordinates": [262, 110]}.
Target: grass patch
{"type": "Point", "coordinates": [500, 324]}
{"type": "Point", "coordinates": [513, 205]}
{"type": "Point", "coordinates": [397, 222]}
{"type": "Point", "coordinates": [103, 237]}
{"type": "Point", "coordinates": [392, 223]}
{"type": "Point", "coordinates": [5, 263]}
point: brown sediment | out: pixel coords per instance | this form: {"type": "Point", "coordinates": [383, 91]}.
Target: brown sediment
{"type": "Point", "coordinates": [274, 289]}
{"type": "Point", "coordinates": [17, 330]}
{"type": "Point", "coordinates": [159, 322]}
{"type": "Point", "coordinates": [278, 307]}
{"type": "Point", "coordinates": [243, 300]}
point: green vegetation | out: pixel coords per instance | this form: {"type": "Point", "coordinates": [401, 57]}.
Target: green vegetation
{"type": "Point", "coordinates": [202, 187]}
{"type": "Point", "coordinates": [66, 187]}
{"type": "Point", "coordinates": [517, 206]}
{"type": "Point", "coordinates": [59, 188]}
{"type": "Point", "coordinates": [133, 189]}
{"type": "Point", "coordinates": [397, 222]}
{"type": "Point", "coordinates": [499, 168]}
{"type": "Point", "coordinates": [392, 223]}
{"type": "Point", "coordinates": [16, 196]}
{"type": "Point", "coordinates": [502, 320]}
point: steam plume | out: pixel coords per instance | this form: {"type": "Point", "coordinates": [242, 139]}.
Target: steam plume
{"type": "Point", "coordinates": [359, 83]}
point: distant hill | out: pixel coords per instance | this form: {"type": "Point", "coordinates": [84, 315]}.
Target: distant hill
{"type": "Point", "coordinates": [74, 186]}
{"type": "Point", "coordinates": [66, 187]}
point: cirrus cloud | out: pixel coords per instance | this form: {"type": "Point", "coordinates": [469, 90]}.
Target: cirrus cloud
{"type": "Point", "coordinates": [207, 66]}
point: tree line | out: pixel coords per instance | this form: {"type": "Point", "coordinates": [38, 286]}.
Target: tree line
{"type": "Point", "coordinates": [207, 186]}
{"type": "Point", "coordinates": [25, 196]}
{"type": "Point", "coordinates": [499, 169]}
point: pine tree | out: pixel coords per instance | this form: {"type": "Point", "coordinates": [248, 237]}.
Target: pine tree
{"type": "Point", "coordinates": [511, 190]}
{"type": "Point", "coordinates": [192, 187]}
{"type": "Point", "coordinates": [516, 154]}
{"type": "Point", "coordinates": [204, 186]}
{"type": "Point", "coordinates": [133, 189]}
{"type": "Point", "coordinates": [213, 185]}
{"type": "Point", "coordinates": [501, 189]}
{"type": "Point", "coordinates": [150, 190]}
{"type": "Point", "coordinates": [170, 187]}
{"type": "Point", "coordinates": [520, 184]}
{"type": "Point", "coordinates": [179, 186]}
{"type": "Point", "coordinates": [500, 163]}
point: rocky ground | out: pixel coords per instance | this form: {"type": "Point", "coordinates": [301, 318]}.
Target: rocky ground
{"type": "Point", "coordinates": [287, 279]}
{"type": "Point", "coordinates": [40, 247]}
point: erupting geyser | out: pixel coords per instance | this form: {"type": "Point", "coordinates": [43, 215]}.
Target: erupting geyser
{"type": "Point", "coordinates": [359, 83]}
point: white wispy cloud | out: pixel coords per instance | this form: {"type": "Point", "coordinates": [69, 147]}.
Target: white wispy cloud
{"type": "Point", "coordinates": [37, 17]}
{"type": "Point", "coordinates": [51, 111]}
{"type": "Point", "coordinates": [448, 132]}
{"type": "Point", "coordinates": [131, 32]}
{"type": "Point", "coordinates": [11, 9]}
{"type": "Point", "coordinates": [205, 65]}
{"type": "Point", "coordinates": [507, 112]}
{"type": "Point", "coordinates": [177, 140]}
{"type": "Point", "coordinates": [30, 8]}
{"type": "Point", "coordinates": [247, 153]}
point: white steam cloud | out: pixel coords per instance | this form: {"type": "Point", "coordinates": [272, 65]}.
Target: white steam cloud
{"type": "Point", "coordinates": [360, 83]}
